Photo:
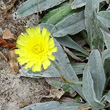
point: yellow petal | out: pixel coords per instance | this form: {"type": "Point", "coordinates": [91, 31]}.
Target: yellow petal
{"type": "Point", "coordinates": [47, 36]}
{"type": "Point", "coordinates": [17, 51]}
{"type": "Point", "coordinates": [51, 57]}
{"type": "Point", "coordinates": [36, 67]}
{"type": "Point", "coordinates": [46, 63]}
{"type": "Point", "coordinates": [21, 60]}
{"type": "Point", "coordinates": [37, 30]}
{"type": "Point", "coordinates": [28, 65]}
{"type": "Point", "coordinates": [51, 43]}
{"type": "Point", "coordinates": [44, 31]}
{"type": "Point", "coordinates": [54, 49]}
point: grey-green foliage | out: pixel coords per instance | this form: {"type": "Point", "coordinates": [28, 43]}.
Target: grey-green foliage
{"type": "Point", "coordinates": [78, 3]}
{"type": "Point", "coordinates": [60, 85]}
{"type": "Point", "coordinates": [70, 25]}
{"type": "Point", "coordinates": [106, 63]}
{"type": "Point", "coordinates": [58, 14]}
{"type": "Point", "coordinates": [67, 41]}
{"type": "Point", "coordinates": [105, 55]}
{"type": "Point", "coordinates": [108, 1]}
{"type": "Point", "coordinates": [54, 105]}
{"type": "Point", "coordinates": [106, 36]}
{"type": "Point", "coordinates": [78, 67]}
{"type": "Point", "coordinates": [97, 72]}
{"type": "Point", "coordinates": [108, 96]}
{"type": "Point", "coordinates": [88, 89]}
{"type": "Point", "coordinates": [94, 80]}
{"type": "Point", "coordinates": [33, 6]}
{"type": "Point", "coordinates": [104, 17]}
{"type": "Point", "coordinates": [95, 36]}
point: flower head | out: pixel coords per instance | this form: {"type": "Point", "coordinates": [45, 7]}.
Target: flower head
{"type": "Point", "coordinates": [35, 49]}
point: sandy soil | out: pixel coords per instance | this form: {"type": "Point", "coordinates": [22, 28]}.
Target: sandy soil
{"type": "Point", "coordinates": [16, 92]}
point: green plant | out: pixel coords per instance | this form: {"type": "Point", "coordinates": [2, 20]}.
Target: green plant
{"type": "Point", "coordinates": [91, 19]}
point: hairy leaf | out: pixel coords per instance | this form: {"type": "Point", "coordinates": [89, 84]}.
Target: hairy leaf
{"type": "Point", "coordinates": [105, 54]}
{"type": "Point", "coordinates": [33, 6]}
{"type": "Point", "coordinates": [106, 36]}
{"type": "Point", "coordinates": [60, 14]}
{"type": "Point", "coordinates": [54, 105]}
{"type": "Point", "coordinates": [104, 17]}
{"type": "Point", "coordinates": [95, 36]}
{"type": "Point", "coordinates": [78, 3]}
{"type": "Point", "coordinates": [67, 41]}
{"type": "Point", "coordinates": [78, 67]}
{"type": "Point", "coordinates": [88, 89]}
{"type": "Point", "coordinates": [97, 73]}
{"type": "Point", "coordinates": [70, 25]}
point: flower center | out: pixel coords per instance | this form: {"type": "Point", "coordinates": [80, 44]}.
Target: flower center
{"type": "Point", "coordinates": [37, 49]}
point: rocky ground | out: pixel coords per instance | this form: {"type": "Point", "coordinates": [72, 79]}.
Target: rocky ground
{"type": "Point", "coordinates": [16, 92]}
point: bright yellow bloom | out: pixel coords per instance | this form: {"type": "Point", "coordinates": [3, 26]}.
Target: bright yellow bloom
{"type": "Point", "coordinates": [35, 49]}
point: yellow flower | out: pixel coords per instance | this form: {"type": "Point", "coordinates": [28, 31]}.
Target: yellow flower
{"type": "Point", "coordinates": [35, 49]}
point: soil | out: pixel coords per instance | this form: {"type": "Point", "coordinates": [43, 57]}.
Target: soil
{"type": "Point", "coordinates": [15, 91]}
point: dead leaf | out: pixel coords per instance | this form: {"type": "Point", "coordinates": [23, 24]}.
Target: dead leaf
{"type": "Point", "coordinates": [71, 54]}
{"type": "Point", "coordinates": [3, 56]}
{"type": "Point", "coordinates": [10, 4]}
{"type": "Point", "coordinates": [8, 35]}
{"type": "Point", "coordinates": [13, 62]}
{"type": "Point", "coordinates": [23, 104]}
{"type": "Point", "coordinates": [66, 99]}
{"type": "Point", "coordinates": [8, 44]}
{"type": "Point", "coordinates": [55, 94]}
{"type": "Point", "coordinates": [84, 108]}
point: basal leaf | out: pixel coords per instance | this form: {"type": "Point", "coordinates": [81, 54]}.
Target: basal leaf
{"type": "Point", "coordinates": [60, 85]}
{"type": "Point", "coordinates": [67, 41]}
{"type": "Point", "coordinates": [95, 36]}
{"type": "Point", "coordinates": [97, 73]}
{"type": "Point", "coordinates": [88, 89]}
{"type": "Point", "coordinates": [104, 17]}
{"type": "Point", "coordinates": [60, 14]}
{"type": "Point", "coordinates": [54, 105]}
{"type": "Point", "coordinates": [108, 96]}
{"type": "Point", "coordinates": [70, 25]}
{"type": "Point", "coordinates": [53, 12]}
{"type": "Point", "coordinates": [106, 36]}
{"type": "Point", "coordinates": [78, 3]}
{"type": "Point", "coordinates": [33, 6]}
{"type": "Point", "coordinates": [78, 67]}
{"type": "Point", "coordinates": [106, 62]}
{"type": "Point", "coordinates": [105, 55]}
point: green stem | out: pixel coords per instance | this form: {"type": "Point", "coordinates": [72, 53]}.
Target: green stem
{"type": "Point", "coordinates": [64, 79]}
